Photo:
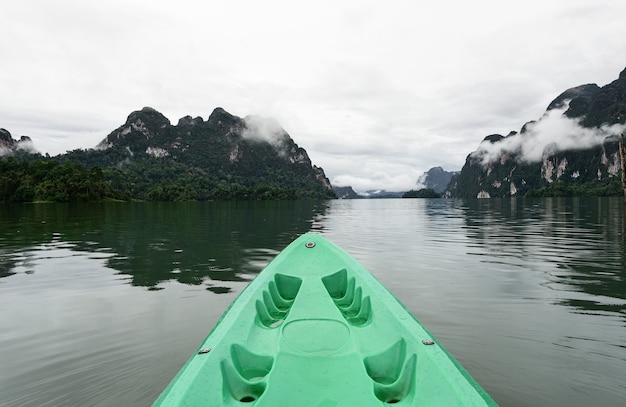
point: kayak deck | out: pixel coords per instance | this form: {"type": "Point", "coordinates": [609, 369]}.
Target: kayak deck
{"type": "Point", "coordinates": [315, 328]}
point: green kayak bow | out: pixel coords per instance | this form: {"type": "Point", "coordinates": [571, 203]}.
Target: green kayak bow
{"type": "Point", "coordinates": [315, 328]}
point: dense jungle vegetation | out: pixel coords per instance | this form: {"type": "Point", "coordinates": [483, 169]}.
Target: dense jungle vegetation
{"type": "Point", "coordinates": [45, 179]}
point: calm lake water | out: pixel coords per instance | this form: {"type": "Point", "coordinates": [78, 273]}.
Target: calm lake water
{"type": "Point", "coordinates": [102, 304]}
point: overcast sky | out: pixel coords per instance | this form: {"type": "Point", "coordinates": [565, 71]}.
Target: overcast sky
{"type": "Point", "coordinates": [377, 92]}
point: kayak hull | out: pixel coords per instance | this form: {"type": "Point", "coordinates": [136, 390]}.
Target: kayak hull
{"type": "Point", "coordinates": [315, 328]}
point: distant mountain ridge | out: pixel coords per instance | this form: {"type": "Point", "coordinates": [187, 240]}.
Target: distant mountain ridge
{"type": "Point", "coordinates": [349, 193]}
{"type": "Point", "coordinates": [571, 150]}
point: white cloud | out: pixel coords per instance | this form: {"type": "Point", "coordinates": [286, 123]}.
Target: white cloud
{"type": "Point", "coordinates": [27, 145]}
{"type": "Point", "coordinates": [264, 129]}
{"type": "Point", "coordinates": [552, 133]}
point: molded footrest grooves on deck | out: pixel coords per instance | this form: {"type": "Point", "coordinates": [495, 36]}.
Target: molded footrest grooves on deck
{"type": "Point", "coordinates": [244, 374]}
{"type": "Point", "coordinates": [349, 299]}
{"type": "Point", "coordinates": [392, 372]}
{"type": "Point", "coordinates": [276, 301]}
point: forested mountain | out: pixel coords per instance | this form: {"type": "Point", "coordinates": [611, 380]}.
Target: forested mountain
{"type": "Point", "coordinates": [572, 150]}
{"type": "Point", "coordinates": [225, 157]}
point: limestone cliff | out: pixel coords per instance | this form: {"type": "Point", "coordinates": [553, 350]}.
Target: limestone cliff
{"type": "Point", "coordinates": [571, 150]}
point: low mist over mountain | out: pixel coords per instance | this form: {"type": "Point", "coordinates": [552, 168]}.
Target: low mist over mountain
{"type": "Point", "coordinates": [573, 149]}
{"type": "Point", "coordinates": [10, 146]}
{"type": "Point", "coordinates": [225, 157]}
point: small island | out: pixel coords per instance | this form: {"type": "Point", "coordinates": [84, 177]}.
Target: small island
{"type": "Point", "coordinates": [421, 193]}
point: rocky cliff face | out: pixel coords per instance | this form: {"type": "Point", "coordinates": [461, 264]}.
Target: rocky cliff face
{"type": "Point", "coordinates": [573, 147]}
{"type": "Point", "coordinates": [229, 138]}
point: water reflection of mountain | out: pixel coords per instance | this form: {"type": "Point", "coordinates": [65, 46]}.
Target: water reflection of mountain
{"type": "Point", "coordinates": [155, 242]}
{"type": "Point", "coordinates": [583, 237]}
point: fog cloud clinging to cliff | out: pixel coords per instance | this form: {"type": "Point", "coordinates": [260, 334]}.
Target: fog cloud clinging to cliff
{"type": "Point", "coordinates": [264, 129]}
{"type": "Point", "coordinates": [553, 133]}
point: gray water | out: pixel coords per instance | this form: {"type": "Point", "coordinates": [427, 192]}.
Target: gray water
{"type": "Point", "coordinates": [102, 304]}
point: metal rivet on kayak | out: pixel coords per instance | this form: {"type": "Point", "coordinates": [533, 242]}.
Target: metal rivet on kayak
{"type": "Point", "coordinates": [428, 342]}
{"type": "Point", "coordinates": [309, 245]}
{"type": "Point", "coordinates": [204, 350]}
